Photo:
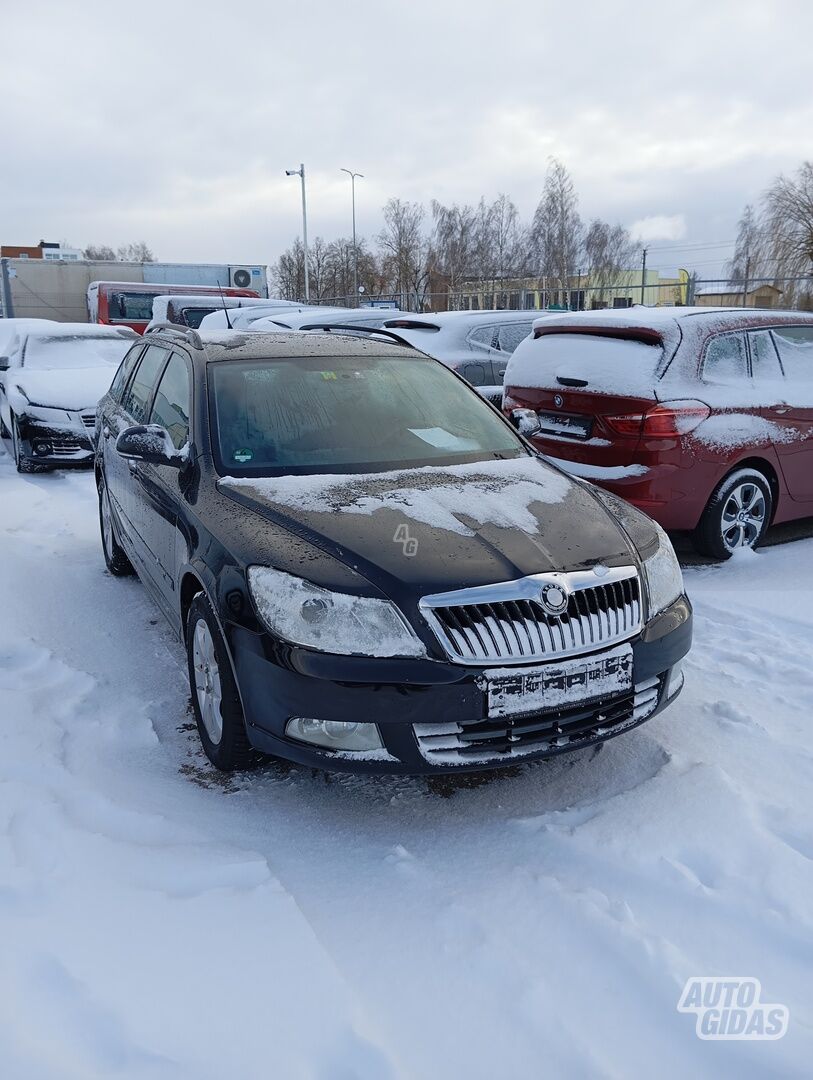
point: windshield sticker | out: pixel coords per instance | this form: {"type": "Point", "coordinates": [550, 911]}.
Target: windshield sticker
{"type": "Point", "coordinates": [243, 455]}
{"type": "Point", "coordinates": [444, 440]}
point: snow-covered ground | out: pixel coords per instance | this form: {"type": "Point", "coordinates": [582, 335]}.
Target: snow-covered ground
{"type": "Point", "coordinates": [157, 920]}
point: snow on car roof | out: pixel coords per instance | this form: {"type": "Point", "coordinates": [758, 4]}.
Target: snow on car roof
{"type": "Point", "coordinates": [658, 318]}
{"type": "Point", "coordinates": [73, 330]}
{"type": "Point", "coordinates": [251, 345]}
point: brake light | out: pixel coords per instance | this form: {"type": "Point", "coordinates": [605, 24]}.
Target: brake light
{"type": "Point", "coordinates": [666, 421]}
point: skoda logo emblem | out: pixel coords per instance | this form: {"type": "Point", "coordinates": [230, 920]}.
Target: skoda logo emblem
{"type": "Point", "coordinates": [558, 400]}
{"type": "Point", "coordinates": [553, 599]}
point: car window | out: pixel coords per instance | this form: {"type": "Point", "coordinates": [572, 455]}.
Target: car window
{"type": "Point", "coordinates": [511, 334]}
{"type": "Point", "coordinates": [482, 336]}
{"type": "Point", "coordinates": [312, 413]}
{"type": "Point", "coordinates": [170, 408]}
{"type": "Point", "coordinates": [136, 400]}
{"type": "Point", "coordinates": [764, 359]}
{"type": "Point", "coordinates": [123, 374]}
{"type": "Point", "coordinates": [795, 347]}
{"type": "Point", "coordinates": [725, 359]}
{"type": "Point", "coordinates": [474, 373]}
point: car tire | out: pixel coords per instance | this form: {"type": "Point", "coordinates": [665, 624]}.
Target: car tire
{"type": "Point", "coordinates": [737, 514]}
{"type": "Point", "coordinates": [23, 464]}
{"type": "Point", "coordinates": [115, 557]}
{"type": "Point", "coordinates": [215, 700]}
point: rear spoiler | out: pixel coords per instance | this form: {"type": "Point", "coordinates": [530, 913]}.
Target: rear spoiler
{"type": "Point", "coordinates": [412, 324]}
{"type": "Point", "coordinates": [644, 334]}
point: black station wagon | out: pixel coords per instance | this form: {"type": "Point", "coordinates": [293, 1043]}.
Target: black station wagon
{"type": "Point", "coordinates": [370, 568]}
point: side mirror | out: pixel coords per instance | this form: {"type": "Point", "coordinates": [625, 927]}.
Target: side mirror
{"type": "Point", "coordinates": [5, 363]}
{"type": "Point", "coordinates": [525, 421]}
{"type": "Point", "coordinates": [150, 443]}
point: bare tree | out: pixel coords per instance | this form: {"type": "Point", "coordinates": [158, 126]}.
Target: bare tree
{"type": "Point", "coordinates": [788, 223]}
{"type": "Point", "coordinates": [100, 252]}
{"type": "Point", "coordinates": [556, 233]}
{"type": "Point", "coordinates": [288, 273]}
{"type": "Point", "coordinates": [452, 243]}
{"type": "Point", "coordinates": [405, 251]}
{"type": "Point", "coordinates": [608, 249]}
{"type": "Point", "coordinates": [136, 251]}
{"type": "Point", "coordinates": [750, 259]}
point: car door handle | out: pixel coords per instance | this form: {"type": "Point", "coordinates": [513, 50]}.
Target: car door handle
{"type": "Point", "coordinates": [780, 410]}
{"type": "Point", "coordinates": [106, 431]}
{"type": "Point", "coordinates": [132, 465]}
{"type": "Point", "coordinates": [501, 372]}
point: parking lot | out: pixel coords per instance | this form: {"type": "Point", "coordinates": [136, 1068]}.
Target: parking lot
{"type": "Point", "coordinates": [161, 920]}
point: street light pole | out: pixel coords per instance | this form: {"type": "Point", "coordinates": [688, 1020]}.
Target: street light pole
{"type": "Point", "coordinates": [353, 176]}
{"type": "Point", "coordinates": [300, 172]}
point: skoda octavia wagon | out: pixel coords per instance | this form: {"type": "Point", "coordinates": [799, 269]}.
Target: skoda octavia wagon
{"type": "Point", "coordinates": [370, 568]}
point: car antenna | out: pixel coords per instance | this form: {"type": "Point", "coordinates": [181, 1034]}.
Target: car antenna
{"type": "Point", "coordinates": [223, 302]}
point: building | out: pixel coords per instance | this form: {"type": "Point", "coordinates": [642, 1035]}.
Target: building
{"type": "Point", "coordinates": [584, 292]}
{"type": "Point", "coordinates": [45, 249]}
{"type": "Point", "coordinates": [730, 294]}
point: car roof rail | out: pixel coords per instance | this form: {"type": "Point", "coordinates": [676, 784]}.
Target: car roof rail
{"type": "Point", "coordinates": [355, 329]}
{"type": "Point", "coordinates": [192, 336]}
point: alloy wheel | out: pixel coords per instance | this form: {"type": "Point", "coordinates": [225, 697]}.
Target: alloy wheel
{"type": "Point", "coordinates": [207, 681]}
{"type": "Point", "coordinates": [743, 519]}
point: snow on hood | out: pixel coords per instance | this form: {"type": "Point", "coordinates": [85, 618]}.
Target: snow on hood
{"type": "Point", "coordinates": [487, 492]}
{"type": "Point", "coordinates": [73, 388]}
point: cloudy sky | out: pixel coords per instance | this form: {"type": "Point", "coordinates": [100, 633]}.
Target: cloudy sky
{"type": "Point", "coordinates": [173, 122]}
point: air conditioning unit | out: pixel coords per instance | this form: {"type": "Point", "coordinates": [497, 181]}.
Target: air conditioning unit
{"type": "Point", "coordinates": [248, 277]}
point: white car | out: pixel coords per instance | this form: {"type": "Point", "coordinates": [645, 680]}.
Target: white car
{"type": "Point", "coordinates": [51, 377]}
{"type": "Point", "coordinates": [475, 344]}
{"type": "Point", "coordinates": [240, 318]}
{"type": "Point", "coordinates": [324, 317]}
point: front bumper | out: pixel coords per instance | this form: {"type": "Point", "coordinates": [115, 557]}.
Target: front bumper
{"type": "Point", "coordinates": [51, 444]}
{"type": "Point", "coordinates": [408, 699]}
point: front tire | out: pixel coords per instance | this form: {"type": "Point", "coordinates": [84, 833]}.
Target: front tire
{"type": "Point", "coordinates": [115, 558]}
{"type": "Point", "coordinates": [218, 712]}
{"type": "Point", "coordinates": [737, 515]}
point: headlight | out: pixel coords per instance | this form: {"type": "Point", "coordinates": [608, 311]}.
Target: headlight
{"type": "Point", "coordinates": [45, 415]}
{"type": "Point", "coordinates": [664, 577]}
{"type": "Point", "coordinates": [304, 614]}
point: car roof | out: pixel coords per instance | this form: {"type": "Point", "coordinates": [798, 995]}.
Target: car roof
{"type": "Point", "coordinates": [660, 318]}
{"type": "Point", "coordinates": [256, 345]}
{"type": "Point", "coordinates": [88, 330]}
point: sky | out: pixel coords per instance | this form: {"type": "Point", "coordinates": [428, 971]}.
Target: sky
{"type": "Point", "coordinates": [175, 122]}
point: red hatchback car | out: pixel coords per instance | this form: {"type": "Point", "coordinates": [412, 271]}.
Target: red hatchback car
{"type": "Point", "coordinates": [701, 417]}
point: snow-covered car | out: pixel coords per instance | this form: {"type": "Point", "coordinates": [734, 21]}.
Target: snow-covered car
{"type": "Point", "coordinates": [51, 377]}
{"type": "Point", "coordinates": [418, 593]}
{"type": "Point", "coordinates": [701, 417]}
{"type": "Point", "coordinates": [191, 310]}
{"type": "Point", "coordinates": [324, 318]}
{"type": "Point", "coordinates": [476, 344]}
{"type": "Point", "coordinates": [246, 315]}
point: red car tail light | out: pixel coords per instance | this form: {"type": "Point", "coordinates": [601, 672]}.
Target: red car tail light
{"type": "Point", "coordinates": [666, 421]}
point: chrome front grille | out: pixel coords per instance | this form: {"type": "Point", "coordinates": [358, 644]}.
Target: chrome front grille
{"type": "Point", "coordinates": [89, 420]}
{"type": "Point", "coordinates": [66, 447]}
{"type": "Point", "coordinates": [552, 732]}
{"type": "Point", "coordinates": [508, 623]}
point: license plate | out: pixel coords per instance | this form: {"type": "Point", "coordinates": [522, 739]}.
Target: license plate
{"type": "Point", "coordinates": [567, 424]}
{"type": "Point", "coordinates": [558, 685]}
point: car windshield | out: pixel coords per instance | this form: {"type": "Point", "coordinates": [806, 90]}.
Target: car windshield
{"type": "Point", "coordinates": [75, 351]}
{"type": "Point", "coordinates": [345, 414]}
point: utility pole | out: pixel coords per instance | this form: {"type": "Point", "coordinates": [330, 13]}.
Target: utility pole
{"type": "Point", "coordinates": [5, 290]}
{"type": "Point", "coordinates": [745, 283]}
{"type": "Point", "coordinates": [643, 276]}
{"type": "Point", "coordinates": [353, 176]}
{"type": "Point", "coordinates": [300, 172]}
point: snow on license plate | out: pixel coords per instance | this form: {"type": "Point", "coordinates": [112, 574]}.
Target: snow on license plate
{"type": "Point", "coordinates": [557, 685]}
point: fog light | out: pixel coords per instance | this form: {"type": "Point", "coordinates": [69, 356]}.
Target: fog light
{"type": "Point", "coordinates": [675, 679]}
{"type": "Point", "coordinates": [42, 448]}
{"type": "Point", "coordinates": [334, 734]}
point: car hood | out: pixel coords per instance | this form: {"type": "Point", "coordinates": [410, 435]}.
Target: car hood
{"type": "Point", "coordinates": [63, 388]}
{"type": "Point", "coordinates": [435, 529]}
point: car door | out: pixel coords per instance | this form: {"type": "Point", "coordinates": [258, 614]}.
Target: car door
{"type": "Point", "coordinates": [121, 474]}
{"type": "Point", "coordinates": [794, 345]}
{"type": "Point", "coordinates": [158, 488]}
{"type": "Point", "coordinates": [10, 349]}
